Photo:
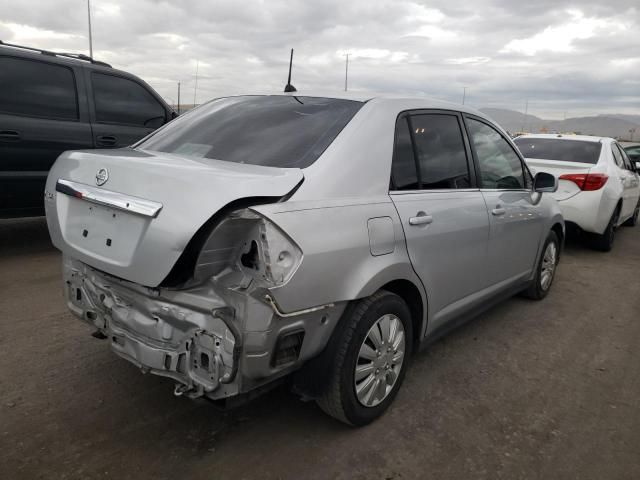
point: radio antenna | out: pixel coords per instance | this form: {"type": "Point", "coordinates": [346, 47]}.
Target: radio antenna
{"type": "Point", "coordinates": [288, 87]}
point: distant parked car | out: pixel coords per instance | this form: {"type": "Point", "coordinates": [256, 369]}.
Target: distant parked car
{"type": "Point", "coordinates": [258, 236]}
{"type": "Point", "coordinates": [52, 102]}
{"type": "Point", "coordinates": [633, 151]}
{"type": "Point", "coordinates": [599, 188]}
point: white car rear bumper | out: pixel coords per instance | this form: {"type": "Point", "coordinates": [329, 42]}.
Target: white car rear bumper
{"type": "Point", "coordinates": [591, 211]}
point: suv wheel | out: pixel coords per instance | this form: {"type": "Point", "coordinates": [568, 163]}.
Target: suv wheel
{"type": "Point", "coordinates": [633, 221]}
{"type": "Point", "coordinates": [604, 242]}
{"type": "Point", "coordinates": [546, 269]}
{"type": "Point", "coordinates": [371, 351]}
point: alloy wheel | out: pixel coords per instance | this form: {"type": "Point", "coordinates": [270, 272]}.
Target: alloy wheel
{"type": "Point", "coordinates": [379, 360]}
{"type": "Point", "coordinates": [549, 261]}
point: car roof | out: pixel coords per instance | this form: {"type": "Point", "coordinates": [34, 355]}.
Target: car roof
{"type": "Point", "coordinates": [568, 136]}
{"type": "Point", "coordinates": [629, 144]}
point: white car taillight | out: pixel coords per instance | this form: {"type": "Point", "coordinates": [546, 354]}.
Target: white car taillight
{"type": "Point", "coordinates": [248, 243]}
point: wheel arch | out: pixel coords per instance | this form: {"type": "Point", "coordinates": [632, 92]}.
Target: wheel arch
{"type": "Point", "coordinates": [559, 230]}
{"type": "Point", "coordinates": [413, 297]}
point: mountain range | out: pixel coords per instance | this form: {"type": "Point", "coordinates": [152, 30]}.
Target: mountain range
{"type": "Point", "coordinates": [605, 125]}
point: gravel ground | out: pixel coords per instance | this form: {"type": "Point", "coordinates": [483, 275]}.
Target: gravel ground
{"type": "Point", "coordinates": [527, 390]}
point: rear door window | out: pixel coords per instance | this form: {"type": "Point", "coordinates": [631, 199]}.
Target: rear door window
{"type": "Point", "coordinates": [625, 158]}
{"type": "Point", "coordinates": [430, 153]}
{"type": "Point", "coordinates": [404, 172]}
{"type": "Point", "coordinates": [617, 156]}
{"type": "Point", "coordinates": [559, 149]}
{"type": "Point", "coordinates": [37, 89]}
{"type": "Point", "coordinates": [500, 166]}
{"type": "Point", "coordinates": [122, 101]}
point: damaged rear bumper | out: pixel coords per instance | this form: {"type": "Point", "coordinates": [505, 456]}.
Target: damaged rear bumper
{"type": "Point", "coordinates": [213, 342]}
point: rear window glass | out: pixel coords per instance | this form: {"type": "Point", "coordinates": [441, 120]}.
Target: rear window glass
{"type": "Point", "coordinates": [559, 149]}
{"type": "Point", "coordinates": [275, 131]}
{"type": "Point", "coordinates": [37, 89]}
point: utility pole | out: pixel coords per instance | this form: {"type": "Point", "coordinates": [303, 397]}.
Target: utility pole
{"type": "Point", "coordinates": [90, 39]}
{"type": "Point", "coordinates": [178, 98]}
{"type": "Point", "coordinates": [524, 118]}
{"type": "Point", "coordinates": [346, 71]}
{"type": "Point", "coordinates": [464, 94]}
{"type": "Point", "coordinates": [195, 87]}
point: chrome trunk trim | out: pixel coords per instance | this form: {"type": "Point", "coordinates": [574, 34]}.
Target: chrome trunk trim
{"type": "Point", "coordinates": [108, 198]}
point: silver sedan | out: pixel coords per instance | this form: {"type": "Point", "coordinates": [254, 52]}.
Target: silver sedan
{"type": "Point", "coordinates": [319, 239]}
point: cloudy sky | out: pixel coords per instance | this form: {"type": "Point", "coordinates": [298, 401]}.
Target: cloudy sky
{"type": "Point", "coordinates": [564, 57]}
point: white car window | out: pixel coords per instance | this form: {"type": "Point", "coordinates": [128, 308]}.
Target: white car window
{"type": "Point", "coordinates": [625, 158]}
{"type": "Point", "coordinates": [617, 156]}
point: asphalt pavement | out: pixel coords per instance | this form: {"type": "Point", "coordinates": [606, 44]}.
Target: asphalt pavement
{"type": "Point", "coordinates": [528, 390]}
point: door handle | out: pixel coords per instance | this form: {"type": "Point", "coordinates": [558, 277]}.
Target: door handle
{"type": "Point", "coordinates": [498, 211]}
{"type": "Point", "coordinates": [106, 140]}
{"type": "Point", "coordinates": [421, 219]}
{"type": "Point", "coordinates": [9, 136]}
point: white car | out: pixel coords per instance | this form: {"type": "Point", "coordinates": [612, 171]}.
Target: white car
{"type": "Point", "coordinates": [599, 188]}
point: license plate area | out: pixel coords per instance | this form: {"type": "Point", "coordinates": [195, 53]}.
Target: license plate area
{"type": "Point", "coordinates": [109, 234]}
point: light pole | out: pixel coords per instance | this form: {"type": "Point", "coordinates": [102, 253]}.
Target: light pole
{"type": "Point", "coordinates": [464, 94]}
{"type": "Point", "coordinates": [195, 87]}
{"type": "Point", "coordinates": [178, 98]}
{"type": "Point", "coordinates": [524, 118]}
{"type": "Point", "coordinates": [90, 39]}
{"type": "Point", "coordinates": [346, 71]}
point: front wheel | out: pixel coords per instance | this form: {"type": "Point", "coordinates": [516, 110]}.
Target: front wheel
{"type": "Point", "coordinates": [546, 268]}
{"type": "Point", "coordinates": [371, 351]}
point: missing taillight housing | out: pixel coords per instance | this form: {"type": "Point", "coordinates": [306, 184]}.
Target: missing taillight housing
{"type": "Point", "coordinates": [248, 243]}
{"type": "Point", "coordinates": [586, 181]}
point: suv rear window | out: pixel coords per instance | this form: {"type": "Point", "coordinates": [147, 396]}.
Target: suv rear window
{"type": "Point", "coordinates": [275, 131]}
{"type": "Point", "coordinates": [580, 151]}
{"type": "Point", "coordinates": [37, 89]}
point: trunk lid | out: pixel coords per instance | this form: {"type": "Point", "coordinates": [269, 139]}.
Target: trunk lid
{"type": "Point", "coordinates": [131, 213]}
{"type": "Point", "coordinates": [566, 188]}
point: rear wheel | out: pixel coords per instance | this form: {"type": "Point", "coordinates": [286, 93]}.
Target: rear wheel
{"type": "Point", "coordinates": [604, 242]}
{"type": "Point", "coordinates": [546, 268]}
{"type": "Point", "coordinates": [369, 359]}
{"type": "Point", "coordinates": [633, 221]}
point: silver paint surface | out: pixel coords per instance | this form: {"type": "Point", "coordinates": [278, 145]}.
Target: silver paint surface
{"type": "Point", "coordinates": [353, 235]}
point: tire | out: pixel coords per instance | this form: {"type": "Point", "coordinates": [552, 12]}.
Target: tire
{"type": "Point", "coordinates": [357, 328]}
{"type": "Point", "coordinates": [546, 268]}
{"type": "Point", "coordinates": [604, 242]}
{"type": "Point", "coordinates": [633, 221]}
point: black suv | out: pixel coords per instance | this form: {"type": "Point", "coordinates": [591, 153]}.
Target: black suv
{"type": "Point", "coordinates": [52, 102]}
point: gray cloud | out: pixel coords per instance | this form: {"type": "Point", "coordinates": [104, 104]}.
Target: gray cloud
{"type": "Point", "coordinates": [581, 57]}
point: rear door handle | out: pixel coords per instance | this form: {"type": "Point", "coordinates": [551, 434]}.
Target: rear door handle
{"type": "Point", "coordinates": [106, 140]}
{"type": "Point", "coordinates": [421, 219]}
{"type": "Point", "coordinates": [498, 211]}
{"type": "Point", "coordinates": [9, 136]}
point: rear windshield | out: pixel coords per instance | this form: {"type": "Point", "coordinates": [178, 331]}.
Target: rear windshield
{"type": "Point", "coordinates": [559, 149]}
{"type": "Point", "coordinates": [275, 131]}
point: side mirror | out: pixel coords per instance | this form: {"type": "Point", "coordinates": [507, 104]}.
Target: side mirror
{"type": "Point", "coordinates": [174, 114]}
{"type": "Point", "coordinates": [545, 182]}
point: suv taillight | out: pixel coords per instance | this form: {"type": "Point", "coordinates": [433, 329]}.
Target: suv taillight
{"type": "Point", "coordinates": [586, 181]}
